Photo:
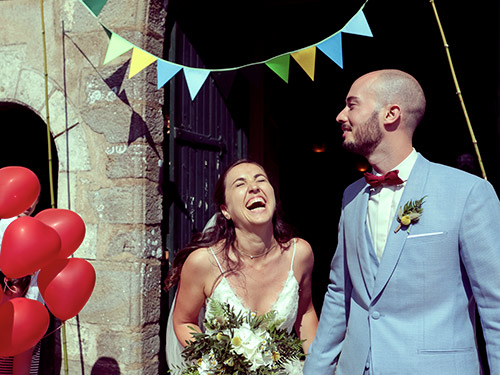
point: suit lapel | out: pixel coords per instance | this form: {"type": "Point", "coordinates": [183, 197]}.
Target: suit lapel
{"type": "Point", "coordinates": [414, 189]}
{"type": "Point", "coordinates": [360, 238]}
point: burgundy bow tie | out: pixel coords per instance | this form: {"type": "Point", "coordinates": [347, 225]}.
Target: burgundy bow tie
{"type": "Point", "coordinates": [390, 178]}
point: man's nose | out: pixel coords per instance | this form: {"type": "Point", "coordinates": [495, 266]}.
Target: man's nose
{"type": "Point", "coordinates": [341, 117]}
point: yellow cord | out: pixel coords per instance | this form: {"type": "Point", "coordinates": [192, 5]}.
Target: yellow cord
{"type": "Point", "coordinates": [459, 93]}
{"type": "Point", "coordinates": [49, 148]}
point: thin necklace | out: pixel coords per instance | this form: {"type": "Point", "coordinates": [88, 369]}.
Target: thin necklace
{"type": "Point", "coordinates": [255, 256]}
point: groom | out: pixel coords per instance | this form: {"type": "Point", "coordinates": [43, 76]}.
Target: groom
{"type": "Point", "coordinates": [403, 282]}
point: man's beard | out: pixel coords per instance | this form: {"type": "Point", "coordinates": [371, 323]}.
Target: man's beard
{"type": "Point", "coordinates": [367, 138]}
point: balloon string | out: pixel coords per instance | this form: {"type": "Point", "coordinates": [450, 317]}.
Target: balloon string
{"type": "Point", "coordinates": [7, 287]}
{"type": "Point", "coordinates": [54, 331]}
{"type": "Point", "coordinates": [459, 92]}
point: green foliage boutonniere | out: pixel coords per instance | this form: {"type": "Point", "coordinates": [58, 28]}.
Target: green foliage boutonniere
{"type": "Point", "coordinates": [410, 213]}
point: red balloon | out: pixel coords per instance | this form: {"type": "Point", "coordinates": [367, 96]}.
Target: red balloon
{"type": "Point", "coordinates": [23, 322]}
{"type": "Point", "coordinates": [19, 189]}
{"type": "Point", "coordinates": [68, 224]}
{"type": "Point", "coordinates": [27, 245]}
{"type": "Point", "coordinates": [66, 286]}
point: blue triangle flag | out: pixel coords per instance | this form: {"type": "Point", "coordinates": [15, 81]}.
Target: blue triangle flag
{"type": "Point", "coordinates": [195, 78]}
{"type": "Point", "coordinates": [165, 71]}
{"type": "Point", "coordinates": [332, 47]}
{"type": "Point", "coordinates": [358, 25]}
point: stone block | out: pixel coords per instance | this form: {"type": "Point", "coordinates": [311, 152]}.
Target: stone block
{"type": "Point", "coordinates": [134, 161]}
{"type": "Point", "coordinates": [145, 243]}
{"type": "Point", "coordinates": [125, 295]}
{"type": "Point", "coordinates": [31, 90]}
{"type": "Point", "coordinates": [66, 188]}
{"type": "Point", "coordinates": [119, 205]}
{"type": "Point", "coordinates": [62, 113]}
{"type": "Point", "coordinates": [115, 300]}
{"type": "Point", "coordinates": [72, 150]}
{"type": "Point", "coordinates": [88, 248]}
{"type": "Point", "coordinates": [11, 60]}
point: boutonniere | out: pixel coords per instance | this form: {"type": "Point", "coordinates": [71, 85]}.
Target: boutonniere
{"type": "Point", "coordinates": [410, 213]}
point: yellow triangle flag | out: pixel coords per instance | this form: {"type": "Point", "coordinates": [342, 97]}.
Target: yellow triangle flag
{"type": "Point", "coordinates": [306, 58]}
{"type": "Point", "coordinates": [140, 60]}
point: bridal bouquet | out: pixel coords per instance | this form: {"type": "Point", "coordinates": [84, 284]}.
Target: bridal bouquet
{"type": "Point", "coordinates": [240, 343]}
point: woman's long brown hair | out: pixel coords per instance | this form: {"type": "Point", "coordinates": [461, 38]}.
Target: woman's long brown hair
{"type": "Point", "coordinates": [223, 231]}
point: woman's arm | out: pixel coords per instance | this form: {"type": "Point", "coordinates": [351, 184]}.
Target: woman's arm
{"type": "Point", "coordinates": [196, 272]}
{"type": "Point", "coordinates": [307, 320]}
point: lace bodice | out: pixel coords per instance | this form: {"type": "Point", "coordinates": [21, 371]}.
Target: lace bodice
{"type": "Point", "coordinates": [285, 306]}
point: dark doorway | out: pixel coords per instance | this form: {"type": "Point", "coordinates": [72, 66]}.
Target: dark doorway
{"type": "Point", "coordinates": [24, 143]}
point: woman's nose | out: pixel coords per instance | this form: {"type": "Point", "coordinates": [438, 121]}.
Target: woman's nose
{"type": "Point", "coordinates": [254, 186]}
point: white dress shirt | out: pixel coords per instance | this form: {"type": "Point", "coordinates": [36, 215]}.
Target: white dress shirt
{"type": "Point", "coordinates": [383, 204]}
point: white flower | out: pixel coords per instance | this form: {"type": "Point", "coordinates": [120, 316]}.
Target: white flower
{"type": "Point", "coordinates": [208, 364]}
{"type": "Point", "coordinates": [249, 343]}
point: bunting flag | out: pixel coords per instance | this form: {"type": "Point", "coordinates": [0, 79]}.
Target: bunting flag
{"type": "Point", "coordinates": [140, 60]}
{"type": "Point", "coordinates": [165, 71]}
{"type": "Point", "coordinates": [281, 66]}
{"type": "Point", "coordinates": [196, 77]}
{"type": "Point", "coordinates": [306, 58]}
{"type": "Point", "coordinates": [117, 46]}
{"type": "Point", "coordinates": [332, 48]}
{"type": "Point", "coordinates": [95, 6]}
{"type": "Point", "coordinates": [358, 25]}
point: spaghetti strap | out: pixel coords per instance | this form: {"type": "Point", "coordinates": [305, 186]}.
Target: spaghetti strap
{"type": "Point", "coordinates": [293, 255]}
{"type": "Point", "coordinates": [217, 260]}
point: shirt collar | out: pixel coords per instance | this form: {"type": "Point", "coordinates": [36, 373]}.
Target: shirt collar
{"type": "Point", "coordinates": [406, 165]}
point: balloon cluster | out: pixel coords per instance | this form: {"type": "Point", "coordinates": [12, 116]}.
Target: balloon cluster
{"type": "Point", "coordinates": [42, 243]}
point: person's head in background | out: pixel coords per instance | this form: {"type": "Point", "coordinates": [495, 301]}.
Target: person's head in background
{"type": "Point", "coordinates": [13, 288]}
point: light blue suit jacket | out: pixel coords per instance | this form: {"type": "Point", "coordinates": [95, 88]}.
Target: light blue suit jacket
{"type": "Point", "coordinates": [414, 312]}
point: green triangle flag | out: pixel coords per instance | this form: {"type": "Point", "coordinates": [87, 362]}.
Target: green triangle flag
{"type": "Point", "coordinates": [117, 46]}
{"type": "Point", "coordinates": [281, 66]}
{"type": "Point", "coordinates": [95, 6]}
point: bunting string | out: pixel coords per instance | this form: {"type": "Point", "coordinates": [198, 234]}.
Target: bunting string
{"type": "Point", "coordinates": [196, 77]}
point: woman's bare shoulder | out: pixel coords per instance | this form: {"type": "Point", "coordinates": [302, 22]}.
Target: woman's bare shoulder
{"type": "Point", "coordinates": [202, 259]}
{"type": "Point", "coordinates": [304, 255]}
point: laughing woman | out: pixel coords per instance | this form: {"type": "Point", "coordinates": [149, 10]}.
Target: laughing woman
{"type": "Point", "coordinates": [247, 258]}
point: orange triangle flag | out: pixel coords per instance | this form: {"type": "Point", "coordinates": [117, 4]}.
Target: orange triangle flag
{"type": "Point", "coordinates": [140, 60]}
{"type": "Point", "coordinates": [306, 58]}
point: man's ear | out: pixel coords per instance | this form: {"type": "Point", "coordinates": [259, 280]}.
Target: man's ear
{"type": "Point", "coordinates": [392, 115]}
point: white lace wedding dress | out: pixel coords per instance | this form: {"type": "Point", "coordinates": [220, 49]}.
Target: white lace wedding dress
{"type": "Point", "coordinates": [286, 307]}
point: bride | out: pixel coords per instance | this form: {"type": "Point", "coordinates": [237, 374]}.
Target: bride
{"type": "Point", "coordinates": [247, 258]}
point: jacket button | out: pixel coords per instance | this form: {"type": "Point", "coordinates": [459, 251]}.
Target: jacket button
{"type": "Point", "coordinates": [375, 315]}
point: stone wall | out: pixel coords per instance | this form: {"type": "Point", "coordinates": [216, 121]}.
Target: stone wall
{"type": "Point", "coordinates": [108, 131]}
